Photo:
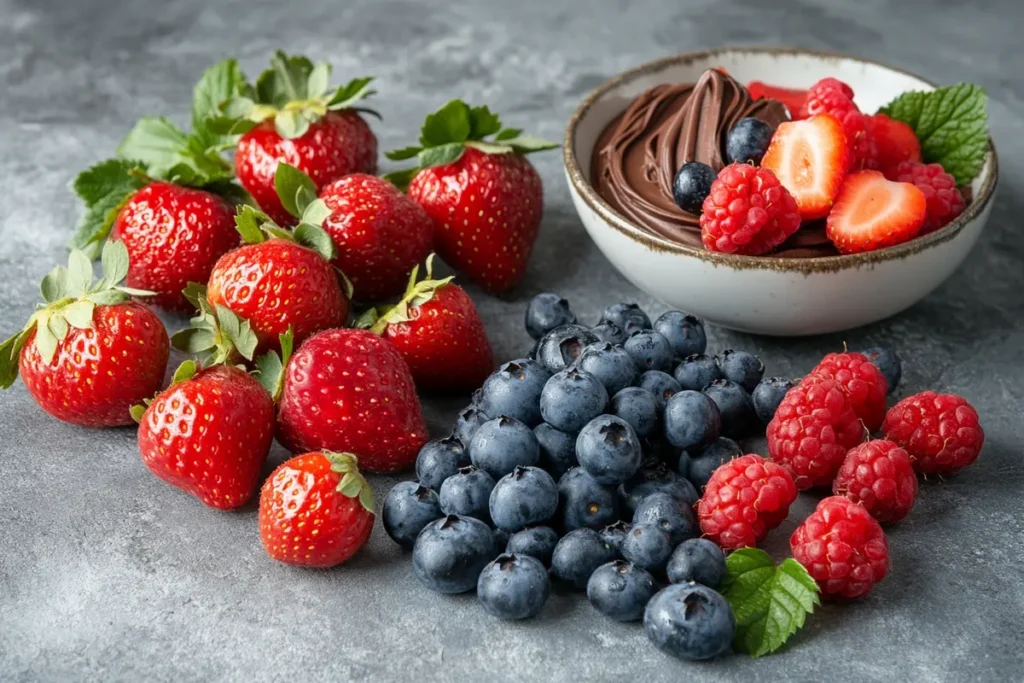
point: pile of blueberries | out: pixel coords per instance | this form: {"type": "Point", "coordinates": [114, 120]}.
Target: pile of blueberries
{"type": "Point", "coordinates": [582, 462]}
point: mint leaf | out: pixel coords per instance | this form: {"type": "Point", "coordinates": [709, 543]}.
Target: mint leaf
{"type": "Point", "coordinates": [450, 123]}
{"type": "Point", "coordinates": [952, 125]}
{"type": "Point", "coordinates": [219, 83]}
{"type": "Point", "coordinates": [104, 188]}
{"type": "Point", "coordinates": [770, 603]}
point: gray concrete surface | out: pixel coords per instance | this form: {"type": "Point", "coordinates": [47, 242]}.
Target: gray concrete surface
{"type": "Point", "coordinates": [106, 574]}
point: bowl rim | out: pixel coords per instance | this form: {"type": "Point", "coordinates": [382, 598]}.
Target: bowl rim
{"type": "Point", "coordinates": [809, 265]}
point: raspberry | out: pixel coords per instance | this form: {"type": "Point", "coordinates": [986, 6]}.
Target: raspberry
{"type": "Point", "coordinates": [940, 432]}
{"type": "Point", "coordinates": [842, 547]}
{"type": "Point", "coordinates": [864, 383]}
{"type": "Point", "coordinates": [812, 430]}
{"type": "Point", "coordinates": [832, 96]}
{"type": "Point", "coordinates": [747, 212]}
{"type": "Point", "coordinates": [879, 476]}
{"type": "Point", "coordinates": [744, 499]}
{"type": "Point", "coordinates": [944, 199]}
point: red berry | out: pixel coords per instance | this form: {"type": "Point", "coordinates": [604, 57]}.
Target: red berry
{"type": "Point", "coordinates": [812, 430]}
{"type": "Point", "coordinates": [842, 547]}
{"type": "Point", "coordinates": [810, 158]}
{"type": "Point", "coordinates": [944, 201]}
{"type": "Point", "coordinates": [793, 98]}
{"type": "Point", "coordinates": [879, 476]}
{"type": "Point", "coordinates": [832, 96]}
{"type": "Point", "coordinates": [939, 431]}
{"type": "Point", "coordinates": [874, 213]}
{"type": "Point", "coordinates": [747, 212]}
{"type": "Point", "coordinates": [864, 383]}
{"type": "Point", "coordinates": [744, 499]}
{"type": "Point", "coordinates": [895, 142]}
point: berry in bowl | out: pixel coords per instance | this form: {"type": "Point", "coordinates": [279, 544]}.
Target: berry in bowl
{"type": "Point", "coordinates": [838, 195]}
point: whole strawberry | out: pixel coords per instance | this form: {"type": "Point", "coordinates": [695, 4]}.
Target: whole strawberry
{"type": "Point", "coordinates": [484, 197]}
{"type": "Point", "coordinates": [351, 391]}
{"type": "Point", "coordinates": [941, 432]}
{"type": "Point", "coordinates": [438, 331]}
{"type": "Point", "coordinates": [316, 510]}
{"type": "Point", "coordinates": [864, 383]}
{"type": "Point", "coordinates": [89, 353]}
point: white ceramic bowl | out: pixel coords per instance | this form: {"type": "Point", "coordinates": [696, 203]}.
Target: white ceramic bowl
{"type": "Point", "coordinates": [764, 295]}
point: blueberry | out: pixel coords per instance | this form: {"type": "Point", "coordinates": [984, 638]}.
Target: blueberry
{"type": "Point", "coordinates": [650, 351]}
{"type": "Point", "coordinates": [545, 312]}
{"type": "Point", "coordinates": [741, 367]}
{"type": "Point", "coordinates": [500, 538]}
{"type": "Point", "coordinates": [609, 450]}
{"type": "Point", "coordinates": [627, 317]}
{"type": "Point", "coordinates": [696, 372]}
{"type": "Point", "coordinates": [440, 459]}
{"type": "Point", "coordinates": [767, 396]}
{"type": "Point", "coordinates": [450, 553]}
{"type": "Point", "coordinates": [532, 353]}
{"type": "Point", "coordinates": [661, 384]}
{"type": "Point", "coordinates": [514, 390]}
{"type": "Point", "coordinates": [692, 185]}
{"type": "Point", "coordinates": [468, 421]}
{"type": "Point", "coordinates": [528, 495]}
{"type": "Point", "coordinates": [557, 449]}
{"type": "Point", "coordinates": [738, 416]}
{"type": "Point", "coordinates": [578, 554]}
{"type": "Point", "coordinates": [698, 466]}
{"type": "Point", "coordinates": [691, 420]}
{"type": "Point", "coordinates": [614, 533]}
{"type": "Point", "coordinates": [670, 514]}
{"type": "Point", "coordinates": [536, 541]}
{"type": "Point", "coordinates": [513, 587]}
{"type": "Point", "coordinates": [585, 503]}
{"type": "Point", "coordinates": [748, 141]}
{"type": "Point", "coordinates": [563, 345]}
{"type": "Point", "coordinates": [571, 399]}
{"type": "Point", "coordinates": [685, 333]}
{"type": "Point", "coordinates": [500, 445]}
{"type": "Point", "coordinates": [690, 621]}
{"type": "Point", "coordinates": [888, 361]}
{"type": "Point", "coordinates": [610, 364]}
{"type": "Point", "coordinates": [407, 509]}
{"type": "Point", "coordinates": [467, 493]}
{"type": "Point", "coordinates": [699, 560]}
{"type": "Point", "coordinates": [648, 546]}
{"type": "Point", "coordinates": [638, 407]}
{"type": "Point", "coordinates": [607, 331]}
{"type": "Point", "coordinates": [651, 479]}
{"type": "Point", "coordinates": [620, 590]}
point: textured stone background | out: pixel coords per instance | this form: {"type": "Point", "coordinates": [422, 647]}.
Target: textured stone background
{"type": "Point", "coordinates": [108, 574]}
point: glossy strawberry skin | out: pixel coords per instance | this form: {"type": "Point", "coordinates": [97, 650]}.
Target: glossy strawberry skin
{"type": "Point", "coordinates": [209, 435]}
{"type": "Point", "coordinates": [278, 284]}
{"type": "Point", "coordinates": [380, 234]}
{"type": "Point", "coordinates": [305, 520]}
{"type": "Point", "coordinates": [444, 344]}
{"type": "Point", "coordinates": [174, 235]}
{"type": "Point", "coordinates": [98, 374]}
{"type": "Point", "coordinates": [351, 391]}
{"type": "Point", "coordinates": [486, 210]}
{"type": "Point", "coordinates": [336, 145]}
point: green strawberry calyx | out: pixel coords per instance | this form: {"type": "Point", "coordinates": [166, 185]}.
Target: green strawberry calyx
{"type": "Point", "coordinates": [186, 371]}
{"type": "Point", "coordinates": [447, 133]}
{"type": "Point", "coordinates": [294, 93]}
{"type": "Point", "coordinates": [216, 334]}
{"type": "Point", "coordinates": [352, 484]}
{"type": "Point", "coordinates": [416, 294]}
{"type": "Point", "coordinates": [270, 366]}
{"type": "Point", "coordinates": [70, 297]}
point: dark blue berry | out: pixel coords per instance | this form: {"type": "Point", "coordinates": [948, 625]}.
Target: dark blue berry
{"type": "Point", "coordinates": [741, 367]}
{"type": "Point", "coordinates": [610, 364]}
{"type": "Point", "coordinates": [503, 444]}
{"type": "Point", "coordinates": [685, 333]}
{"type": "Point", "coordinates": [690, 621]}
{"type": "Point", "coordinates": [648, 546]}
{"type": "Point", "coordinates": [661, 384]}
{"type": "Point", "coordinates": [607, 331]}
{"type": "Point", "coordinates": [696, 372]}
{"type": "Point", "coordinates": [638, 407]}
{"type": "Point", "coordinates": [514, 390]}
{"type": "Point", "coordinates": [467, 493]}
{"type": "Point", "coordinates": [698, 465]}
{"type": "Point", "coordinates": [466, 424]}
{"type": "Point", "coordinates": [578, 554]}
{"type": "Point", "coordinates": [747, 142]}
{"type": "Point", "coordinates": [691, 420]}
{"type": "Point", "coordinates": [532, 353]}
{"type": "Point", "coordinates": [614, 533]}
{"type": "Point", "coordinates": [888, 361]}
{"type": "Point", "coordinates": [545, 312]}
{"type": "Point", "coordinates": [560, 347]}
{"type": "Point", "coordinates": [536, 541]}
{"type": "Point", "coordinates": [571, 399]}
{"type": "Point", "coordinates": [692, 185]}
{"type": "Point", "coordinates": [557, 449]}
{"type": "Point", "coordinates": [407, 509]}
{"type": "Point", "coordinates": [738, 416]}
{"type": "Point", "coordinates": [627, 317]}
{"type": "Point", "coordinates": [650, 351]}
{"type": "Point", "coordinates": [620, 590]}
{"type": "Point", "coordinates": [500, 538]}
{"type": "Point", "coordinates": [526, 496]}
{"type": "Point", "coordinates": [585, 503]}
{"type": "Point", "coordinates": [699, 560]}
{"type": "Point", "coordinates": [450, 553]}
{"type": "Point", "coordinates": [609, 450]}
{"type": "Point", "coordinates": [767, 396]}
{"type": "Point", "coordinates": [670, 514]}
{"type": "Point", "coordinates": [513, 587]}
{"type": "Point", "coordinates": [651, 479]}
{"type": "Point", "coordinates": [440, 459]}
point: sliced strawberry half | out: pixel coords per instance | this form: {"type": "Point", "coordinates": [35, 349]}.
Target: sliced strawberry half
{"type": "Point", "coordinates": [810, 159]}
{"type": "Point", "coordinates": [874, 213]}
{"type": "Point", "coordinates": [793, 98]}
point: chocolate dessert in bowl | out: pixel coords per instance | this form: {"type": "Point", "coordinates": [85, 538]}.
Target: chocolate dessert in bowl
{"type": "Point", "coordinates": [628, 140]}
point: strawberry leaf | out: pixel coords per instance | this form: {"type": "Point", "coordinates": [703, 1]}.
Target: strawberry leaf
{"type": "Point", "coordinates": [508, 134]}
{"type": "Point", "coordinates": [185, 371]}
{"type": "Point", "coordinates": [79, 273]}
{"type": "Point", "coordinates": [10, 353]}
{"type": "Point", "coordinates": [482, 122]}
{"type": "Point", "coordinates": [450, 123]}
{"type": "Point", "coordinates": [316, 238]}
{"type": "Point", "coordinates": [439, 156]}
{"type": "Point", "coordinates": [54, 285]}
{"type": "Point", "coordinates": [350, 93]}
{"type": "Point", "coordinates": [104, 189]}
{"type": "Point", "coordinates": [270, 366]}
{"type": "Point", "coordinates": [137, 411]}
{"type": "Point", "coordinates": [219, 83]}
{"type": "Point", "coordinates": [315, 213]}
{"type": "Point", "coordinates": [402, 178]}
{"type": "Point", "coordinates": [58, 324]}
{"type": "Point", "coordinates": [249, 224]}
{"type": "Point", "coordinates": [318, 81]}
{"type": "Point", "coordinates": [295, 189]}
{"type": "Point", "coordinates": [45, 341]}
{"type": "Point", "coordinates": [114, 263]}
{"type": "Point", "coordinates": [170, 154]}
{"type": "Point", "coordinates": [404, 153]}
{"type": "Point", "coordinates": [78, 314]}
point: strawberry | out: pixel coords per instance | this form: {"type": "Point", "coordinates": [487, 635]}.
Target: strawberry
{"type": "Point", "coordinates": [895, 141]}
{"type": "Point", "coordinates": [316, 510]}
{"type": "Point", "coordinates": [380, 234]}
{"type": "Point", "coordinates": [832, 96]}
{"type": "Point", "coordinates": [484, 197]}
{"type": "Point", "coordinates": [348, 391]}
{"type": "Point", "coordinates": [208, 433]}
{"type": "Point", "coordinates": [793, 98]}
{"type": "Point", "coordinates": [292, 115]}
{"type": "Point", "coordinates": [810, 158]}
{"type": "Point", "coordinates": [438, 331]}
{"type": "Point", "coordinates": [872, 212]}
{"type": "Point", "coordinates": [89, 353]}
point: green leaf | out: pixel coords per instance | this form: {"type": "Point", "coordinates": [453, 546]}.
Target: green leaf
{"type": "Point", "coordinates": [490, 147]}
{"type": "Point", "coordinates": [195, 293]}
{"type": "Point", "coordinates": [350, 93]}
{"type": "Point", "coordinates": [218, 84]}
{"type": "Point", "coordinates": [508, 134]}
{"type": "Point", "coordinates": [194, 340]}
{"type": "Point", "coordinates": [45, 341]}
{"type": "Point", "coordinates": [318, 81]}
{"type": "Point", "coordinates": [237, 331]}
{"type": "Point", "coordinates": [403, 153]}
{"type": "Point", "coordinates": [137, 411]}
{"type": "Point", "coordinates": [109, 297]}
{"type": "Point", "coordinates": [524, 144]}
{"type": "Point", "coordinates": [770, 603]}
{"type": "Point", "coordinates": [402, 178]}
{"type": "Point", "coordinates": [439, 156]}
{"type": "Point", "coordinates": [104, 188]}
{"type": "Point", "coordinates": [58, 324]}
{"type": "Point", "coordinates": [289, 182]}
{"type": "Point", "coordinates": [316, 212]}
{"type": "Point", "coordinates": [482, 122]}
{"type": "Point", "coordinates": [269, 370]}
{"type": "Point", "coordinates": [154, 141]}
{"type": "Point", "coordinates": [114, 262]}
{"type": "Point", "coordinates": [315, 238]}
{"type": "Point", "coordinates": [54, 285]}
{"type": "Point", "coordinates": [79, 314]}
{"type": "Point", "coordinates": [952, 125]}
{"type": "Point", "coordinates": [291, 75]}
{"type": "Point", "coordinates": [450, 123]}
{"type": "Point", "coordinates": [366, 319]}
{"type": "Point", "coordinates": [10, 353]}
{"type": "Point", "coordinates": [131, 291]}
{"type": "Point", "coordinates": [79, 273]}
{"type": "Point", "coordinates": [185, 371]}
{"type": "Point", "coordinates": [249, 224]}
